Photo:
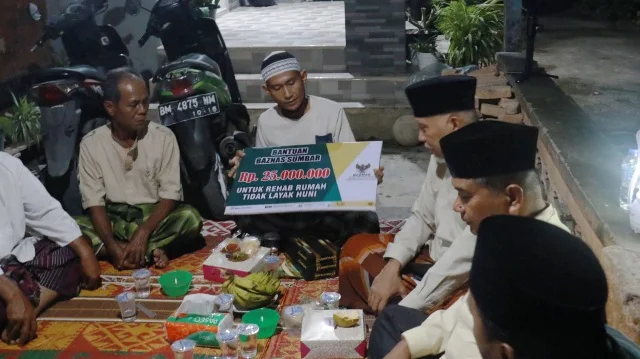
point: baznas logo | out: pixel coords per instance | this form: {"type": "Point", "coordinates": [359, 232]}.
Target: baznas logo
{"type": "Point", "coordinates": [362, 172]}
{"type": "Point", "coordinates": [363, 168]}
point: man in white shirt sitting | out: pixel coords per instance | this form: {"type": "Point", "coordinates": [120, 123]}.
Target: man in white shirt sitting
{"type": "Point", "coordinates": [43, 255]}
{"type": "Point", "coordinates": [302, 119]}
{"type": "Point", "coordinates": [298, 118]}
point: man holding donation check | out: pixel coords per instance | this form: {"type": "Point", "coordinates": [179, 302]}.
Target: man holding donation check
{"type": "Point", "coordinates": [301, 119]}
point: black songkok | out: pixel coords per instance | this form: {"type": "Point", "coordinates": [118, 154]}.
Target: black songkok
{"type": "Point", "coordinates": [442, 94]}
{"type": "Point", "coordinates": [490, 148]}
{"type": "Point", "coordinates": [529, 276]}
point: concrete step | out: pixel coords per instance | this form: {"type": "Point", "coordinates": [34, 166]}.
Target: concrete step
{"type": "Point", "coordinates": [247, 60]}
{"type": "Point", "coordinates": [340, 87]}
{"type": "Point", "coordinates": [367, 121]}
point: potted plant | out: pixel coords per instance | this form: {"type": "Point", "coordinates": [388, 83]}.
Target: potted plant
{"type": "Point", "coordinates": [474, 31]}
{"type": "Point", "coordinates": [208, 7]}
{"type": "Point", "coordinates": [22, 124]}
{"type": "Point", "coordinates": [421, 39]}
{"type": "Point", "coordinates": [422, 51]}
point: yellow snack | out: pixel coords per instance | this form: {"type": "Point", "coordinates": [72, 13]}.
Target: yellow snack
{"type": "Point", "coordinates": [346, 318]}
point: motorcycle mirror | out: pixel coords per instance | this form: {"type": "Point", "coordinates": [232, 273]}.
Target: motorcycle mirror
{"type": "Point", "coordinates": [132, 7]}
{"type": "Point", "coordinates": [34, 12]}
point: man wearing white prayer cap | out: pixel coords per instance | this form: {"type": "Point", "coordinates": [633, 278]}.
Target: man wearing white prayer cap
{"type": "Point", "coordinates": [301, 119]}
{"type": "Point", "coordinates": [298, 118]}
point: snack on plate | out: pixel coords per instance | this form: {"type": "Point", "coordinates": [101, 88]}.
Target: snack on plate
{"type": "Point", "coordinates": [231, 248]}
{"type": "Point", "coordinates": [346, 318]}
{"type": "Point", "coordinates": [238, 257]}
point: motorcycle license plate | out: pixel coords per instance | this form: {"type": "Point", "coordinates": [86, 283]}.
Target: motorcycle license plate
{"type": "Point", "coordinates": [188, 109]}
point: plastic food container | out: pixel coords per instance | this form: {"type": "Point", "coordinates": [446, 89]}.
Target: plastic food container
{"type": "Point", "coordinates": [266, 319]}
{"type": "Point", "coordinates": [176, 283]}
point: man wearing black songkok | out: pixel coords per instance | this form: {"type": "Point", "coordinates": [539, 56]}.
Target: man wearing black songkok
{"type": "Point", "coordinates": [537, 292]}
{"type": "Point", "coordinates": [492, 166]}
{"type": "Point", "coordinates": [376, 270]}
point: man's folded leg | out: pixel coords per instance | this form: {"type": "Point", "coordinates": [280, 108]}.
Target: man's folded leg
{"type": "Point", "coordinates": [55, 272]}
{"type": "Point", "coordinates": [389, 326]}
{"type": "Point", "coordinates": [360, 262]}
{"type": "Point", "coordinates": [362, 259]}
{"type": "Point", "coordinates": [178, 233]}
{"type": "Point", "coordinates": [183, 223]}
{"type": "Point", "coordinates": [336, 227]}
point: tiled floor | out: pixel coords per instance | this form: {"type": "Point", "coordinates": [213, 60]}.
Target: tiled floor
{"type": "Point", "coordinates": [285, 25]}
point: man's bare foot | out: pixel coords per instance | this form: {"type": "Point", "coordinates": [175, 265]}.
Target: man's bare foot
{"type": "Point", "coordinates": [160, 258]}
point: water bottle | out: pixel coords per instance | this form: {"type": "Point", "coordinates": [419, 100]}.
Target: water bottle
{"type": "Point", "coordinates": [628, 168]}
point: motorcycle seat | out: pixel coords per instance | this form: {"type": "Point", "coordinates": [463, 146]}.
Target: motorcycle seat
{"type": "Point", "coordinates": [198, 61]}
{"type": "Point", "coordinates": [89, 71]}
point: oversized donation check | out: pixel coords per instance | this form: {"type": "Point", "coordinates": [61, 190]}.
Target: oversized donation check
{"type": "Point", "coordinates": [321, 177]}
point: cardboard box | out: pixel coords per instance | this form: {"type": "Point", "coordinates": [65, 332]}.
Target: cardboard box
{"type": "Point", "coordinates": [215, 267]}
{"type": "Point", "coordinates": [200, 328]}
{"type": "Point", "coordinates": [320, 339]}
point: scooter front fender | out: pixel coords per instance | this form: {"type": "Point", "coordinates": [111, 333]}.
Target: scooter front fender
{"type": "Point", "coordinates": [196, 146]}
{"type": "Point", "coordinates": [59, 126]}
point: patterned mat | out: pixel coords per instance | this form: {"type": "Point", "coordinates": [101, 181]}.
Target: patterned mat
{"type": "Point", "coordinates": [89, 326]}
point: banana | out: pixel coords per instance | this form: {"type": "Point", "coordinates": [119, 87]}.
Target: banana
{"type": "Point", "coordinates": [253, 291]}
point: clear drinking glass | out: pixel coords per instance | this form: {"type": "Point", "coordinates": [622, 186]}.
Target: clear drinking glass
{"type": "Point", "coordinates": [183, 349]}
{"type": "Point", "coordinates": [127, 303]}
{"type": "Point", "coordinates": [142, 279]}
{"type": "Point", "coordinates": [249, 340]}
{"type": "Point", "coordinates": [228, 340]}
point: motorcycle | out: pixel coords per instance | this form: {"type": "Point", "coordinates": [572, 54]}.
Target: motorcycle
{"type": "Point", "coordinates": [184, 30]}
{"type": "Point", "coordinates": [70, 98]}
{"type": "Point", "coordinates": [197, 104]}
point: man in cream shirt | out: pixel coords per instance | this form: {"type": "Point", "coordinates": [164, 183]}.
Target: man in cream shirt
{"type": "Point", "coordinates": [129, 172]}
{"type": "Point", "coordinates": [375, 270]}
{"type": "Point", "coordinates": [493, 168]}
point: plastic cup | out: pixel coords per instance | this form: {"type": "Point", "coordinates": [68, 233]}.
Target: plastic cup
{"type": "Point", "coordinates": [142, 280]}
{"type": "Point", "coordinates": [183, 349]}
{"type": "Point", "coordinates": [228, 340]}
{"type": "Point", "coordinates": [293, 316]}
{"type": "Point", "coordinates": [224, 303]}
{"type": "Point", "coordinates": [127, 303]}
{"type": "Point", "coordinates": [249, 340]}
{"type": "Point", "coordinates": [330, 300]}
{"type": "Point", "coordinates": [271, 263]}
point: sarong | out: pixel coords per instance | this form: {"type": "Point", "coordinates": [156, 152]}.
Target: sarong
{"type": "Point", "coordinates": [361, 260]}
{"type": "Point", "coordinates": [183, 223]}
{"type": "Point", "coordinates": [53, 267]}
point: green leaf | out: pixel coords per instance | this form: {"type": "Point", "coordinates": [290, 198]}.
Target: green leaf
{"type": "Point", "coordinates": [471, 28]}
{"type": "Point", "coordinates": [22, 123]}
